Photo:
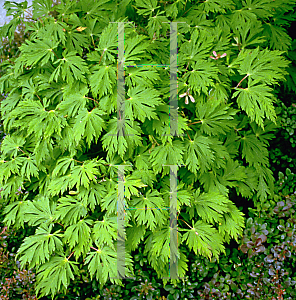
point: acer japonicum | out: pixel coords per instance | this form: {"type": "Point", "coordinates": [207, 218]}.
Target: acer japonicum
{"type": "Point", "coordinates": [60, 116]}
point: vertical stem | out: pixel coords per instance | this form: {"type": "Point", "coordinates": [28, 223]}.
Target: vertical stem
{"type": "Point", "coordinates": [101, 56]}
{"type": "Point", "coordinates": [188, 64]}
{"type": "Point", "coordinates": [189, 136]}
{"type": "Point", "coordinates": [93, 41]}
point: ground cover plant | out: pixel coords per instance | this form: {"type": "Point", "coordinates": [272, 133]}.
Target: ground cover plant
{"type": "Point", "coordinates": [60, 157]}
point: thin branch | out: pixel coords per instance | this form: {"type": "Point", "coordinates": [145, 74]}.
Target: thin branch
{"type": "Point", "coordinates": [78, 161]}
{"type": "Point", "coordinates": [188, 225]}
{"type": "Point", "coordinates": [55, 54]}
{"type": "Point", "coordinates": [186, 11]}
{"type": "Point", "coordinates": [28, 12]}
{"type": "Point", "coordinates": [194, 123]}
{"type": "Point", "coordinates": [187, 65]}
{"type": "Point", "coordinates": [23, 152]}
{"type": "Point", "coordinates": [154, 140]}
{"type": "Point", "coordinates": [102, 55]}
{"type": "Point", "coordinates": [188, 136]}
{"type": "Point", "coordinates": [70, 255]}
{"type": "Point", "coordinates": [39, 98]}
{"type": "Point", "coordinates": [242, 80]}
{"type": "Point", "coordinates": [92, 99]}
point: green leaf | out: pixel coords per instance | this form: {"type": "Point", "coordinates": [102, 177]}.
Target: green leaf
{"type": "Point", "coordinates": [105, 232]}
{"type": "Point", "coordinates": [42, 124]}
{"type": "Point", "coordinates": [198, 154]}
{"type": "Point", "coordinates": [197, 48]}
{"type": "Point", "coordinates": [202, 75]}
{"type": "Point", "coordinates": [95, 8]}
{"type": "Point", "coordinates": [108, 44]}
{"type": "Point", "coordinates": [103, 264]}
{"type": "Point", "coordinates": [58, 270]}
{"type": "Point", "coordinates": [77, 236]}
{"type": "Point", "coordinates": [265, 182]}
{"type": "Point", "coordinates": [73, 103]}
{"type": "Point", "coordinates": [168, 154]}
{"type": "Point", "coordinates": [257, 102]}
{"type": "Point", "coordinates": [69, 210]}
{"type": "Point", "coordinates": [262, 66]}
{"type": "Point", "coordinates": [139, 76]}
{"type": "Point", "coordinates": [60, 185]}
{"type": "Point", "coordinates": [141, 103]}
{"type": "Point", "coordinates": [15, 214]}
{"type": "Point", "coordinates": [148, 210]}
{"type": "Point", "coordinates": [112, 142]}
{"type": "Point", "coordinates": [36, 249]}
{"type": "Point", "coordinates": [37, 52]}
{"type": "Point", "coordinates": [233, 174]}
{"type": "Point", "coordinates": [146, 7]}
{"type": "Point", "coordinates": [10, 167]}
{"type": "Point", "coordinates": [248, 33]}
{"type": "Point", "coordinates": [83, 174]}
{"type": "Point", "coordinates": [89, 125]}
{"type": "Point", "coordinates": [62, 166]}
{"type": "Point", "coordinates": [209, 206]}
{"type": "Point", "coordinates": [184, 195]}
{"type": "Point", "coordinates": [11, 144]}
{"type": "Point", "coordinates": [41, 8]}
{"type": "Point", "coordinates": [157, 23]}
{"type": "Point", "coordinates": [135, 235]}
{"type": "Point", "coordinates": [135, 48]}
{"type": "Point", "coordinates": [216, 6]}
{"type": "Point", "coordinates": [71, 67]}
{"type": "Point", "coordinates": [40, 211]}
{"type": "Point", "coordinates": [94, 194]}
{"type": "Point", "coordinates": [279, 39]}
{"type": "Point", "coordinates": [203, 239]}
{"type": "Point", "coordinates": [102, 80]}
{"type": "Point", "coordinates": [159, 243]}
{"type": "Point", "coordinates": [131, 186]}
{"type": "Point", "coordinates": [76, 41]}
{"type": "Point", "coordinates": [232, 223]}
{"type": "Point", "coordinates": [215, 119]}
{"type": "Point", "coordinates": [29, 167]}
{"type": "Point", "coordinates": [253, 150]}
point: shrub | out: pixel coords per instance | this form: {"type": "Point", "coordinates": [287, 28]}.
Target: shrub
{"type": "Point", "coordinates": [16, 283]}
{"type": "Point", "coordinates": [65, 135]}
{"type": "Point", "coordinates": [264, 268]}
{"type": "Point", "coordinates": [281, 150]}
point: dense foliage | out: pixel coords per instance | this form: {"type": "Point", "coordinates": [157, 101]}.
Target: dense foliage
{"type": "Point", "coordinates": [61, 154]}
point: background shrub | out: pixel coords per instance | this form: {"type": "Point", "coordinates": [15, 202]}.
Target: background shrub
{"type": "Point", "coordinates": [16, 283]}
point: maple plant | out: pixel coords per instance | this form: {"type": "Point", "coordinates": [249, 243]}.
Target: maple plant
{"type": "Point", "coordinates": [62, 146]}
